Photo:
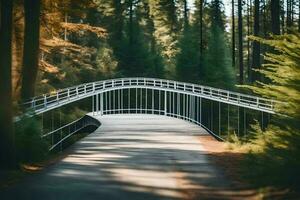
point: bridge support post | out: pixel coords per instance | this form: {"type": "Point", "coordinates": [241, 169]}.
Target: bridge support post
{"type": "Point", "coordinates": [93, 98]}
{"type": "Point", "coordinates": [97, 104]}
{"type": "Point", "coordinates": [165, 104]}
{"type": "Point", "coordinates": [201, 111]}
{"type": "Point", "coordinates": [101, 103]}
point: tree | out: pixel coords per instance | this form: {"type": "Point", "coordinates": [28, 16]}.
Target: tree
{"type": "Point", "coordinates": [256, 45]}
{"type": "Point", "coordinates": [164, 15]}
{"type": "Point", "coordinates": [233, 33]}
{"type": "Point", "coordinates": [201, 26]}
{"type": "Point", "coordinates": [275, 15]}
{"type": "Point", "coordinates": [279, 145]}
{"type": "Point", "coordinates": [188, 57]}
{"type": "Point", "coordinates": [299, 16]}
{"type": "Point", "coordinates": [289, 21]}
{"type": "Point", "coordinates": [240, 36]}
{"type": "Point", "coordinates": [7, 146]}
{"type": "Point", "coordinates": [217, 64]}
{"type": "Point", "coordinates": [31, 48]}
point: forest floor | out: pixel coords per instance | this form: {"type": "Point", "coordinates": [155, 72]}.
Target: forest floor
{"type": "Point", "coordinates": [231, 163]}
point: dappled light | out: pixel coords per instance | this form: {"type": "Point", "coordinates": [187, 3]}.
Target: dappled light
{"type": "Point", "coordinates": [149, 99]}
{"type": "Point", "coordinates": [140, 156]}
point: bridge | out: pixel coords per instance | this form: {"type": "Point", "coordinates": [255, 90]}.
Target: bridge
{"type": "Point", "coordinates": [144, 142]}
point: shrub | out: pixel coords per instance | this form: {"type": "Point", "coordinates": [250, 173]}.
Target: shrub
{"type": "Point", "coordinates": [30, 146]}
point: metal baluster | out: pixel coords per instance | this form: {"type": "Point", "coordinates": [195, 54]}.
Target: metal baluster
{"type": "Point", "coordinates": [219, 118]}
{"type": "Point", "coordinates": [170, 103]}
{"type": "Point", "coordinates": [228, 117]}
{"type": "Point", "coordinates": [165, 103]}
{"type": "Point", "coordinates": [262, 121]}
{"type": "Point", "coordinates": [183, 105]}
{"type": "Point", "coordinates": [136, 100]}
{"type": "Point", "coordinates": [119, 107]}
{"type": "Point", "coordinates": [173, 103]}
{"type": "Point", "coordinates": [93, 105]}
{"type": "Point", "coordinates": [146, 102]}
{"type": "Point", "coordinates": [201, 110]}
{"type": "Point", "coordinates": [122, 102]}
{"type": "Point", "coordinates": [141, 103]}
{"type": "Point", "coordinates": [101, 103]}
{"type": "Point", "coordinates": [106, 102]}
{"type": "Point", "coordinates": [153, 101]}
{"type": "Point", "coordinates": [109, 99]}
{"type": "Point", "coordinates": [60, 130]}
{"type": "Point", "coordinates": [245, 133]}
{"type": "Point", "coordinates": [52, 128]}
{"type": "Point", "coordinates": [238, 121]}
{"type": "Point", "coordinates": [129, 105]}
{"type": "Point", "coordinates": [211, 116]}
{"type": "Point", "coordinates": [178, 104]}
{"type": "Point", "coordinates": [97, 104]}
{"type": "Point", "coordinates": [114, 102]}
{"type": "Point", "coordinates": [159, 100]}
{"type": "Point", "coordinates": [42, 125]}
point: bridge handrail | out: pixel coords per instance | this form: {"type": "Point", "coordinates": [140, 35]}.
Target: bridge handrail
{"type": "Point", "coordinates": [88, 89]}
{"type": "Point", "coordinates": [72, 128]}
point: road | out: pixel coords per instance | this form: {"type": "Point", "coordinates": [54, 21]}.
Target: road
{"type": "Point", "coordinates": [130, 157]}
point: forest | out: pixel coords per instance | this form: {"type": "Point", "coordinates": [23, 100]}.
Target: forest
{"type": "Point", "coordinates": [241, 45]}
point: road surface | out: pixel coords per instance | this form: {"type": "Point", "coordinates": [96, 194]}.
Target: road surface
{"type": "Point", "coordinates": [130, 157]}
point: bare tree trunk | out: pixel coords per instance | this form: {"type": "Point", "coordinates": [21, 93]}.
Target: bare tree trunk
{"type": "Point", "coordinates": [233, 33]}
{"type": "Point", "coordinates": [240, 28]}
{"type": "Point", "coordinates": [201, 26]}
{"type": "Point", "coordinates": [299, 17]}
{"type": "Point", "coordinates": [282, 16]}
{"type": "Point", "coordinates": [130, 22]}
{"type": "Point", "coordinates": [289, 16]}
{"type": "Point", "coordinates": [31, 48]}
{"type": "Point", "coordinates": [7, 145]}
{"type": "Point", "coordinates": [185, 13]}
{"type": "Point", "coordinates": [248, 41]}
{"type": "Point", "coordinates": [275, 16]}
{"type": "Point", "coordinates": [256, 45]}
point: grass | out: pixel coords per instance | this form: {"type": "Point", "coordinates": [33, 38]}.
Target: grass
{"type": "Point", "coordinates": [266, 166]}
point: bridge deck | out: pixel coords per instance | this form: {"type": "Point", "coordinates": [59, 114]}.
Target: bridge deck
{"type": "Point", "coordinates": [129, 157]}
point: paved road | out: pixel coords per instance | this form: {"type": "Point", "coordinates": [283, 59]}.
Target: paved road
{"type": "Point", "coordinates": [131, 157]}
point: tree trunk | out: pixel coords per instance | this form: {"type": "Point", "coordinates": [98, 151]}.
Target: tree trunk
{"type": "Point", "coordinates": [233, 34]}
{"type": "Point", "coordinates": [299, 17]}
{"type": "Point", "coordinates": [185, 13]}
{"type": "Point", "coordinates": [201, 26]}
{"type": "Point", "coordinates": [282, 16]}
{"type": "Point", "coordinates": [31, 48]}
{"type": "Point", "coordinates": [130, 23]}
{"type": "Point", "coordinates": [275, 16]}
{"type": "Point", "coordinates": [256, 45]}
{"type": "Point", "coordinates": [240, 28]}
{"type": "Point", "coordinates": [7, 146]}
{"type": "Point", "coordinates": [248, 41]}
{"type": "Point", "coordinates": [289, 15]}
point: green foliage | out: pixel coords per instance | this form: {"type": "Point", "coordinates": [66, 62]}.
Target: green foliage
{"type": "Point", "coordinates": [217, 70]}
{"type": "Point", "coordinates": [106, 62]}
{"type": "Point", "coordinates": [188, 58]}
{"type": "Point", "coordinates": [29, 144]}
{"type": "Point", "coordinates": [278, 161]}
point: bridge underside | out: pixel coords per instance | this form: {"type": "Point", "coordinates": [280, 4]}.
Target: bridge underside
{"type": "Point", "coordinates": [130, 157]}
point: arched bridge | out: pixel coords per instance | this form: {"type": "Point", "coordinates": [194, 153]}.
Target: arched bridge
{"type": "Point", "coordinates": [65, 96]}
{"type": "Point", "coordinates": [147, 144]}
{"type": "Point", "coordinates": [213, 109]}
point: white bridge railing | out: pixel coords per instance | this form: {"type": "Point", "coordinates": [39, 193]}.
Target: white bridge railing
{"type": "Point", "coordinates": [198, 104]}
{"type": "Point", "coordinates": [46, 102]}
